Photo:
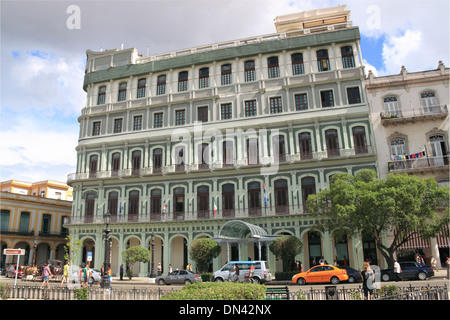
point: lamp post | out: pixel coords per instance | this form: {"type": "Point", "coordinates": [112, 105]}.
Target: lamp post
{"type": "Point", "coordinates": [105, 278]}
{"type": "Point", "coordinates": [152, 270]}
{"type": "Point", "coordinates": [35, 239]}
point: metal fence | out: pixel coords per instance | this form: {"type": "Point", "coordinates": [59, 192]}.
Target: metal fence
{"type": "Point", "coordinates": [329, 293]}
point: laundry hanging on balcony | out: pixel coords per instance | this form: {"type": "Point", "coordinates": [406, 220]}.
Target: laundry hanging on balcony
{"type": "Point", "coordinates": [408, 156]}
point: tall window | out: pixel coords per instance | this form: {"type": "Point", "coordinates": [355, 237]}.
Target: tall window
{"type": "Point", "coordinates": [348, 61]}
{"type": "Point", "coordinates": [115, 164]}
{"type": "Point", "coordinates": [279, 149]}
{"type": "Point", "coordinates": [353, 95]}
{"type": "Point", "coordinates": [359, 140]}
{"type": "Point", "coordinates": [250, 108]}
{"type": "Point", "coordinates": [89, 207]}
{"type": "Point", "coordinates": [275, 105]}
{"type": "Point", "coordinates": [327, 98]}
{"type": "Point", "coordinates": [101, 95]}
{"type": "Point", "coordinates": [137, 123]}
{"type": "Point", "coordinates": [254, 199]}
{"type": "Point", "coordinates": [113, 201]}
{"type": "Point", "coordinates": [308, 185]}
{"type": "Point", "coordinates": [141, 88]}
{"type": "Point", "coordinates": [304, 139]}
{"type": "Point", "coordinates": [297, 64]}
{"type": "Point", "coordinates": [202, 114]}
{"type": "Point", "coordinates": [249, 70]}
{"type": "Point", "coordinates": [136, 162]}
{"type": "Point", "coordinates": [301, 102]}
{"type": "Point", "coordinates": [226, 111]}
{"type": "Point", "coordinates": [398, 147]}
{"type": "Point", "coordinates": [93, 165]}
{"type": "Point", "coordinates": [225, 74]}
{"type": "Point", "coordinates": [203, 78]}
{"type": "Point", "coordinates": [96, 128]}
{"type": "Point", "coordinates": [133, 205]}
{"type": "Point", "coordinates": [158, 120]}
{"type": "Point", "coordinates": [178, 203]}
{"type": "Point", "coordinates": [183, 81]}
{"type": "Point", "coordinates": [323, 62]}
{"type": "Point", "coordinates": [24, 222]}
{"type": "Point", "coordinates": [122, 96]}
{"type": "Point", "coordinates": [161, 85]}
{"type": "Point", "coordinates": [252, 151]}
{"type": "Point", "coordinates": [228, 200]}
{"type": "Point", "coordinates": [391, 106]}
{"type": "Point", "coordinates": [46, 223]}
{"type": "Point", "coordinates": [281, 196]}
{"type": "Point", "coordinates": [180, 117]}
{"type": "Point", "coordinates": [4, 219]}
{"type": "Point", "coordinates": [118, 125]}
{"type": "Point", "coordinates": [227, 153]}
{"type": "Point", "coordinates": [203, 202]}
{"type": "Point", "coordinates": [155, 205]}
{"type": "Point", "coordinates": [273, 67]}
{"type": "Point", "coordinates": [157, 160]}
{"type": "Point", "coordinates": [203, 156]}
{"type": "Point", "coordinates": [179, 159]}
{"type": "Point", "coordinates": [332, 141]}
{"type": "Point", "coordinates": [429, 102]}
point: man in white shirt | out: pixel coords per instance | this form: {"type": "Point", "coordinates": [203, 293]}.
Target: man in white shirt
{"type": "Point", "coordinates": [397, 271]}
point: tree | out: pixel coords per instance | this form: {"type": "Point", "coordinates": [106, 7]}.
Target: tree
{"type": "Point", "coordinates": [286, 248]}
{"type": "Point", "coordinates": [72, 249]}
{"type": "Point", "coordinates": [202, 251]}
{"type": "Point", "coordinates": [411, 206]}
{"type": "Point", "coordinates": [133, 255]}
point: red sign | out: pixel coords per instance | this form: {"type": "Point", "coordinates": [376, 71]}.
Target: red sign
{"type": "Point", "coordinates": [10, 252]}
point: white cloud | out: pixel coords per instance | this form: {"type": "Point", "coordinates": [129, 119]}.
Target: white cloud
{"type": "Point", "coordinates": [368, 67]}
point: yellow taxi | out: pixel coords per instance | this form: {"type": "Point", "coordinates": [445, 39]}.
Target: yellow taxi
{"type": "Point", "coordinates": [321, 273]}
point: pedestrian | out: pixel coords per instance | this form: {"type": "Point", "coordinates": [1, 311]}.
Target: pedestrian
{"type": "Point", "coordinates": [65, 274]}
{"type": "Point", "coordinates": [170, 268]}
{"type": "Point", "coordinates": [87, 275]}
{"type": "Point", "coordinates": [80, 274]}
{"type": "Point", "coordinates": [236, 273]}
{"type": "Point", "coordinates": [397, 271]}
{"type": "Point", "coordinates": [121, 271]}
{"type": "Point", "coordinates": [433, 264]}
{"type": "Point", "coordinates": [447, 262]}
{"type": "Point", "coordinates": [159, 269]}
{"type": "Point", "coordinates": [368, 280]}
{"type": "Point", "coordinates": [46, 273]}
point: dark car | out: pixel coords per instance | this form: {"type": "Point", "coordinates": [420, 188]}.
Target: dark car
{"type": "Point", "coordinates": [353, 275]}
{"type": "Point", "coordinates": [179, 277]}
{"type": "Point", "coordinates": [411, 270]}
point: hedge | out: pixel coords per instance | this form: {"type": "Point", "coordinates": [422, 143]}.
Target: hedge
{"type": "Point", "coordinates": [218, 291]}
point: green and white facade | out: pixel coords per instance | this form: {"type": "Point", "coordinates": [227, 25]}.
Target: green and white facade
{"type": "Point", "coordinates": [250, 127]}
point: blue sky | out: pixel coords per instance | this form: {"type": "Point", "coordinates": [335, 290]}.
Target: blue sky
{"type": "Point", "coordinates": [42, 58]}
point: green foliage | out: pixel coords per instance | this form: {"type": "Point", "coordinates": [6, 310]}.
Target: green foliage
{"type": "Point", "coordinates": [82, 293]}
{"type": "Point", "coordinates": [218, 291]}
{"type": "Point", "coordinates": [387, 291]}
{"type": "Point", "coordinates": [72, 249]}
{"type": "Point", "coordinates": [202, 251]}
{"type": "Point", "coordinates": [135, 254]}
{"type": "Point", "coordinates": [364, 204]}
{"type": "Point", "coordinates": [4, 291]}
{"type": "Point", "coordinates": [286, 248]}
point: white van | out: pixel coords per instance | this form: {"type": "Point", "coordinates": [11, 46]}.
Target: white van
{"type": "Point", "coordinates": [261, 273]}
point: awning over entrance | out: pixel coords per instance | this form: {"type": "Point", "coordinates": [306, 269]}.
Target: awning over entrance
{"type": "Point", "coordinates": [442, 239]}
{"type": "Point", "coordinates": [241, 231]}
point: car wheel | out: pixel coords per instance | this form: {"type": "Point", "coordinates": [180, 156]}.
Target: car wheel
{"type": "Point", "coordinates": [218, 280]}
{"type": "Point", "coordinates": [161, 282]}
{"type": "Point", "coordinates": [187, 281]}
{"type": "Point", "coordinates": [351, 279]}
{"type": "Point", "coordinates": [334, 280]}
{"type": "Point", "coordinates": [301, 281]}
{"type": "Point", "coordinates": [385, 277]}
{"type": "Point", "coordinates": [422, 276]}
{"type": "Point", "coordinates": [256, 280]}
{"type": "Point", "coordinates": [91, 281]}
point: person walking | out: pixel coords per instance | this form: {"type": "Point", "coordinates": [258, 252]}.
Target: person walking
{"type": "Point", "coordinates": [433, 264]}
{"type": "Point", "coordinates": [397, 271]}
{"type": "Point", "coordinates": [368, 277]}
{"type": "Point", "coordinates": [46, 273]}
{"type": "Point", "coordinates": [447, 262]}
{"type": "Point", "coordinates": [121, 271]}
{"type": "Point", "coordinates": [65, 274]}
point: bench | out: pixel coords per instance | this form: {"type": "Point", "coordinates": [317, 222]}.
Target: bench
{"type": "Point", "coordinates": [277, 293]}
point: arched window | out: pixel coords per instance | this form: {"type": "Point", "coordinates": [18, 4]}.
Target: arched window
{"type": "Point", "coordinates": [308, 185]}
{"type": "Point", "coordinates": [304, 140]}
{"type": "Point", "coordinates": [161, 85]}
{"type": "Point", "coordinates": [101, 95]}
{"type": "Point", "coordinates": [183, 81]}
{"type": "Point", "coordinates": [323, 62]}
{"type": "Point", "coordinates": [157, 160]}
{"type": "Point", "coordinates": [281, 196]}
{"type": "Point", "coordinates": [136, 162]}
{"type": "Point", "coordinates": [227, 153]}
{"type": "Point", "coordinates": [332, 141]}
{"type": "Point", "coordinates": [254, 199]}
{"type": "Point", "coordinates": [113, 198]}
{"type": "Point", "coordinates": [89, 207]}
{"type": "Point", "coordinates": [359, 140]}
{"type": "Point", "coordinates": [273, 67]}
{"type": "Point", "coordinates": [228, 200]}
{"type": "Point", "coordinates": [133, 205]}
{"type": "Point", "coordinates": [122, 95]}
{"type": "Point", "coordinates": [204, 78]}
{"type": "Point", "coordinates": [141, 88]}
{"type": "Point", "coordinates": [297, 64]}
{"type": "Point", "coordinates": [93, 165]}
{"type": "Point", "coordinates": [225, 74]}
{"type": "Point", "coordinates": [252, 151]}
{"type": "Point", "coordinates": [391, 106]}
{"type": "Point", "coordinates": [178, 203]}
{"type": "Point", "coordinates": [348, 61]}
{"type": "Point", "coordinates": [115, 164]}
{"type": "Point", "coordinates": [155, 204]}
{"type": "Point", "coordinates": [279, 148]}
{"type": "Point", "coordinates": [249, 70]}
{"type": "Point", "coordinates": [429, 102]}
{"type": "Point", "coordinates": [203, 202]}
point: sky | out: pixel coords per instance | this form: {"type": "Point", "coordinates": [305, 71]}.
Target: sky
{"type": "Point", "coordinates": [44, 43]}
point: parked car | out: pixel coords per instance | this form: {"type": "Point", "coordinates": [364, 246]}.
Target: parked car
{"type": "Point", "coordinates": [179, 277]}
{"type": "Point", "coordinates": [411, 270]}
{"type": "Point", "coordinates": [353, 275]}
{"type": "Point", "coordinates": [95, 276]}
{"type": "Point", "coordinates": [11, 271]}
{"type": "Point", "coordinates": [322, 273]}
{"type": "Point", "coordinates": [261, 271]}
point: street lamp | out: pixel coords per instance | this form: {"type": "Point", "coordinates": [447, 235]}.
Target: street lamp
{"type": "Point", "coordinates": [105, 278]}
{"type": "Point", "coordinates": [35, 239]}
{"type": "Point", "coordinates": [152, 270]}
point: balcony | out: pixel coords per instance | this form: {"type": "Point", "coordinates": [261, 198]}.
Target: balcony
{"type": "Point", "coordinates": [420, 165]}
{"type": "Point", "coordinates": [403, 116]}
{"type": "Point", "coordinates": [191, 215]}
